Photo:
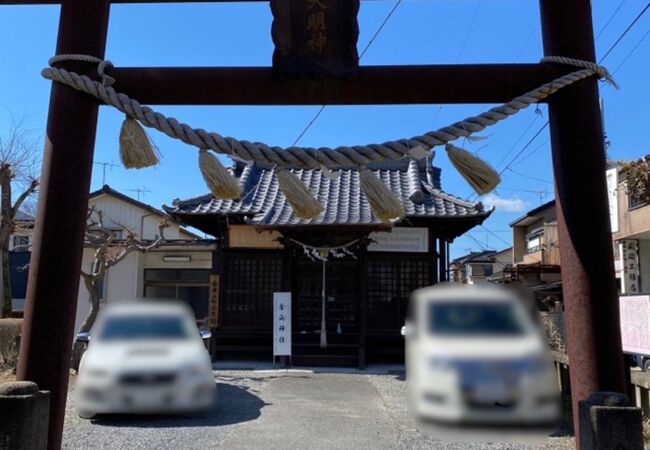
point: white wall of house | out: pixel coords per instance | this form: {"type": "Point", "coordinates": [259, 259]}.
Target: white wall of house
{"type": "Point", "coordinates": [120, 283]}
{"type": "Point", "coordinates": [124, 281]}
{"type": "Point", "coordinates": [119, 214]}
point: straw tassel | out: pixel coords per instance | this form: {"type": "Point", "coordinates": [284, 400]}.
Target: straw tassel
{"type": "Point", "coordinates": [302, 201]}
{"type": "Point", "coordinates": [219, 179]}
{"type": "Point", "coordinates": [479, 174]}
{"type": "Point", "coordinates": [383, 202]}
{"type": "Point", "coordinates": [136, 148]}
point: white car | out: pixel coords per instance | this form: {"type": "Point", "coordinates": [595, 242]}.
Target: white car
{"type": "Point", "coordinates": [145, 357]}
{"type": "Point", "coordinates": [474, 354]}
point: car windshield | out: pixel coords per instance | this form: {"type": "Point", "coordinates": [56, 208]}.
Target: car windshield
{"type": "Point", "coordinates": [143, 327]}
{"type": "Point", "coordinates": [474, 319]}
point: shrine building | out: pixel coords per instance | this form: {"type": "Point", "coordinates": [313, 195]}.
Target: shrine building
{"type": "Point", "coordinates": [369, 268]}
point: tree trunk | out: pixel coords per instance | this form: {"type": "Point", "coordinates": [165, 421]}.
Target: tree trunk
{"type": "Point", "coordinates": [78, 348]}
{"type": "Point", "coordinates": [93, 292]}
{"type": "Point", "coordinates": [6, 218]}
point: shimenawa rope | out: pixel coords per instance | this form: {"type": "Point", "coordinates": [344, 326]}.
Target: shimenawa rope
{"type": "Point", "coordinates": [220, 180]}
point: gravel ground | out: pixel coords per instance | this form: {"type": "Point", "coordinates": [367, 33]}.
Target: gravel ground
{"type": "Point", "coordinates": [287, 409]}
{"type": "Point", "coordinates": [238, 402]}
{"type": "Point", "coordinates": [413, 434]}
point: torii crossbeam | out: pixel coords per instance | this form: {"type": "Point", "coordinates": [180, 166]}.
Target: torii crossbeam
{"type": "Point", "coordinates": [577, 148]}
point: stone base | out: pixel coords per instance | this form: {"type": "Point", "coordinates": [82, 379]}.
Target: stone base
{"type": "Point", "coordinates": [24, 412]}
{"type": "Point", "coordinates": [609, 421]}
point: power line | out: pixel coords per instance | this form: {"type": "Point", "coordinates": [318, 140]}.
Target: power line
{"type": "Point", "coordinates": [530, 141]}
{"type": "Point", "coordinates": [632, 51]}
{"type": "Point", "coordinates": [532, 152]}
{"type": "Point", "coordinates": [479, 243]}
{"type": "Point", "coordinates": [496, 236]}
{"type": "Point", "coordinates": [527, 41]}
{"type": "Point", "coordinates": [469, 31]}
{"type": "Point", "coordinates": [611, 48]}
{"type": "Point", "coordinates": [629, 27]}
{"type": "Point", "coordinates": [610, 19]}
{"type": "Point", "coordinates": [460, 53]}
{"type": "Point", "coordinates": [363, 52]}
{"type": "Point", "coordinates": [541, 194]}
{"type": "Point", "coordinates": [521, 136]}
{"type": "Point", "coordinates": [485, 248]}
{"type": "Point", "coordinates": [529, 177]}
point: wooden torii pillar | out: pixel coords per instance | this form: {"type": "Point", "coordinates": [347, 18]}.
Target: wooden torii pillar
{"type": "Point", "coordinates": [578, 159]}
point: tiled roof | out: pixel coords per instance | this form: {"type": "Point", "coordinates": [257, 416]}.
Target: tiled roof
{"type": "Point", "coordinates": [107, 190]}
{"type": "Point", "coordinates": [486, 256]}
{"type": "Point", "coordinates": [416, 184]}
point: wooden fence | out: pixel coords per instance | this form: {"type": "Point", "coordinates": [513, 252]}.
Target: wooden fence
{"type": "Point", "coordinates": [638, 391]}
{"type": "Point", "coordinates": [554, 327]}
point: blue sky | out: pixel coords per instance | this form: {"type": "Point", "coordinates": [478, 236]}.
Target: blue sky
{"type": "Point", "coordinates": [420, 32]}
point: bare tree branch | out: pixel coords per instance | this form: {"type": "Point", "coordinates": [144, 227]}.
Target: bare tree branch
{"type": "Point", "coordinates": [18, 161]}
{"type": "Point", "coordinates": [108, 252]}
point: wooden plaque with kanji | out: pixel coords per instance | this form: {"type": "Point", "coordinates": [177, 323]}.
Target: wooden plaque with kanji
{"type": "Point", "coordinates": [315, 38]}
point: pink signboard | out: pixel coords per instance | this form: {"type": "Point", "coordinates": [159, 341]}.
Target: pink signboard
{"type": "Point", "coordinates": [635, 323]}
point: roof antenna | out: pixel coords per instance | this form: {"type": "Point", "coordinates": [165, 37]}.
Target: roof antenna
{"type": "Point", "coordinates": [140, 191]}
{"type": "Point", "coordinates": [104, 166]}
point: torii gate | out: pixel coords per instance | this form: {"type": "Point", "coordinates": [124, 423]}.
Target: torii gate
{"type": "Point", "coordinates": [577, 148]}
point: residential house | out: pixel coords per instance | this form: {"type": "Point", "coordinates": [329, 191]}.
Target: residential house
{"type": "Point", "coordinates": [179, 268]}
{"type": "Point", "coordinates": [536, 255]}
{"type": "Point", "coordinates": [630, 220]}
{"type": "Point", "coordinates": [476, 267]}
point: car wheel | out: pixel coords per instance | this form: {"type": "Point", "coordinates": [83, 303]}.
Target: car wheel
{"type": "Point", "coordinates": [85, 414]}
{"type": "Point", "coordinates": [646, 365]}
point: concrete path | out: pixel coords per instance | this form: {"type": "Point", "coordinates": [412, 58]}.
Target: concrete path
{"type": "Point", "coordinates": [318, 410]}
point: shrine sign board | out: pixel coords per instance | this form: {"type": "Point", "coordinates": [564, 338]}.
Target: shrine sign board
{"type": "Point", "coordinates": [635, 323]}
{"type": "Point", "coordinates": [315, 38]}
{"type": "Point", "coordinates": [401, 240]}
{"type": "Point", "coordinates": [213, 301]}
{"type": "Point", "coordinates": [281, 324]}
{"type": "Point", "coordinates": [246, 236]}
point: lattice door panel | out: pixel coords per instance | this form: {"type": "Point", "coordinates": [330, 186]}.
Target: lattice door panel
{"type": "Point", "coordinates": [390, 283]}
{"type": "Point", "coordinates": [250, 280]}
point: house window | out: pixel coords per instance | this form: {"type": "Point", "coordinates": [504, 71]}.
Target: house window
{"type": "Point", "coordinates": [190, 285]}
{"type": "Point", "coordinates": [21, 243]}
{"type": "Point", "coordinates": [488, 270]}
{"type": "Point", "coordinates": [533, 244]}
{"type": "Point", "coordinates": [534, 240]}
{"type": "Point", "coordinates": [118, 235]}
{"type": "Point", "coordinates": [635, 201]}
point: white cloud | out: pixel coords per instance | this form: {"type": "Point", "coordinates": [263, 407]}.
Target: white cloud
{"type": "Point", "coordinates": [504, 204]}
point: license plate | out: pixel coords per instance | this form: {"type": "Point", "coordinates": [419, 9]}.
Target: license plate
{"type": "Point", "coordinates": [492, 392]}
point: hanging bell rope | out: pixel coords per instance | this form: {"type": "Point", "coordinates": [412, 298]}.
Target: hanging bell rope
{"type": "Point", "coordinates": [479, 174]}
{"type": "Point", "coordinates": [302, 201]}
{"type": "Point", "coordinates": [218, 179]}
{"type": "Point", "coordinates": [323, 307]}
{"type": "Point", "coordinates": [385, 205]}
{"type": "Point", "coordinates": [305, 157]}
{"type": "Point", "coordinates": [136, 148]}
